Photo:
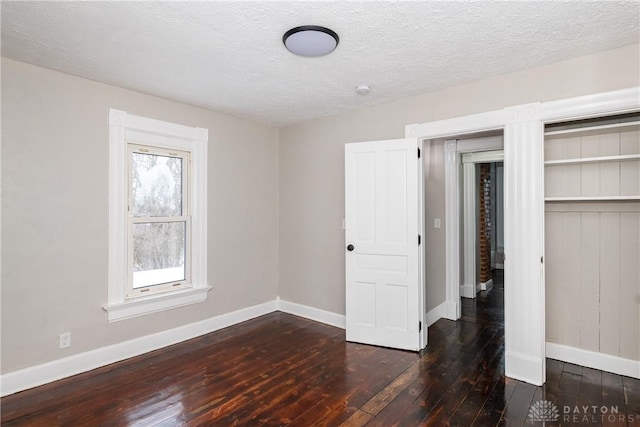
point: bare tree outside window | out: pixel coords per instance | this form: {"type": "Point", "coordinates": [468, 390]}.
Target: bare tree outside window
{"type": "Point", "coordinates": [157, 194]}
{"type": "Point", "coordinates": [157, 185]}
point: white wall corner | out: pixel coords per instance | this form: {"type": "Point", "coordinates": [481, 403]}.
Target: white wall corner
{"type": "Point", "coordinates": [312, 313]}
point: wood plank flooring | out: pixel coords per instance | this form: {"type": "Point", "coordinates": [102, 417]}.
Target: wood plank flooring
{"type": "Point", "coordinates": [280, 370]}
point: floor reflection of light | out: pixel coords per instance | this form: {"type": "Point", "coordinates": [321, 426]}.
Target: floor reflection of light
{"type": "Point", "coordinates": [159, 407]}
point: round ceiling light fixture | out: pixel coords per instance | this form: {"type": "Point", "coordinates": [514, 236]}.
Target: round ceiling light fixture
{"type": "Point", "coordinates": [310, 40]}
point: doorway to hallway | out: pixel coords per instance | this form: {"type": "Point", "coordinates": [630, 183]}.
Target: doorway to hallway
{"type": "Point", "coordinates": [482, 189]}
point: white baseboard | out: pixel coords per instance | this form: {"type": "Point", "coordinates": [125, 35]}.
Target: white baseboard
{"type": "Point", "coordinates": [322, 316]}
{"type": "Point", "coordinates": [452, 310]}
{"type": "Point", "coordinates": [468, 290]}
{"type": "Point", "coordinates": [34, 376]}
{"type": "Point", "coordinates": [436, 314]}
{"type": "Point", "coordinates": [592, 359]}
{"type": "Point", "coordinates": [485, 286]}
{"type": "Point", "coordinates": [524, 367]}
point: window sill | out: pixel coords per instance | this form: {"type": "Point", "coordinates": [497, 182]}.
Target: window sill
{"type": "Point", "coordinates": [154, 303]}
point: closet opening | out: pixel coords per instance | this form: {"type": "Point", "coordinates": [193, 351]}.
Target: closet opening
{"type": "Point", "coordinates": [592, 242]}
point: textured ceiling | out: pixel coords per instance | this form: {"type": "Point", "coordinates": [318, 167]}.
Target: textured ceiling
{"type": "Point", "coordinates": [229, 56]}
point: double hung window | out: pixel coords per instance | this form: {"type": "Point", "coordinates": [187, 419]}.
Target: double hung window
{"type": "Point", "coordinates": [157, 215]}
{"type": "Point", "coordinates": [159, 229]}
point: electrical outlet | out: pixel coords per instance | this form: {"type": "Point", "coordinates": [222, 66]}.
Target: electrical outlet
{"type": "Point", "coordinates": [65, 339]}
{"type": "Point", "coordinates": [436, 222]}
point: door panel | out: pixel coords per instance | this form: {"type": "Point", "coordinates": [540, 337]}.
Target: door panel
{"type": "Point", "coordinates": [382, 270]}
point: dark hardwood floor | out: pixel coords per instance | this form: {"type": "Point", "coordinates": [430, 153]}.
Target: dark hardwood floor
{"type": "Point", "coordinates": [487, 307]}
{"type": "Point", "coordinates": [280, 369]}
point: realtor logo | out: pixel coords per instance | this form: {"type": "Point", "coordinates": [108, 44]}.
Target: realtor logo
{"type": "Point", "coordinates": [544, 411]}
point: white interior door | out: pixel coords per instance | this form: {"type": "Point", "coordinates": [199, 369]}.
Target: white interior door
{"type": "Point", "coordinates": [383, 268]}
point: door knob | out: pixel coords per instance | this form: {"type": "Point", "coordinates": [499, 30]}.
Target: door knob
{"type": "Point", "coordinates": [350, 248]}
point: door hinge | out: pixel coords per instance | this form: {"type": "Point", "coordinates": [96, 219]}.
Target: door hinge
{"type": "Point", "coordinates": [541, 260]}
{"type": "Point", "coordinates": [420, 326]}
{"type": "Point", "coordinates": [418, 152]}
{"type": "Point", "coordinates": [419, 240]}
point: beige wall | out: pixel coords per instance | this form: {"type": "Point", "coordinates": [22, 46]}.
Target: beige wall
{"type": "Point", "coordinates": [312, 159]}
{"type": "Point", "coordinates": [55, 216]}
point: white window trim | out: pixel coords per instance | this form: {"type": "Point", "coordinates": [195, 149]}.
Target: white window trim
{"type": "Point", "coordinates": [124, 127]}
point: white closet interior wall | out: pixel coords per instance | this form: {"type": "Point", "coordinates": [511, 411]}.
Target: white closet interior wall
{"type": "Point", "coordinates": [592, 235]}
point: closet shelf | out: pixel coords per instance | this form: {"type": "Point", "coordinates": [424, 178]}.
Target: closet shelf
{"type": "Point", "coordinates": [593, 199]}
{"type": "Point", "coordinates": [593, 128]}
{"type": "Point", "coordinates": [621, 158]}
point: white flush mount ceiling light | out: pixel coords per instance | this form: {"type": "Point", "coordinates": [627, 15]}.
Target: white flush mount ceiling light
{"type": "Point", "coordinates": [310, 40]}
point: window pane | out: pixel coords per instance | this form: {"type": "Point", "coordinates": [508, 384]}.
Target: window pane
{"type": "Point", "coordinates": [158, 253]}
{"type": "Point", "coordinates": [157, 185]}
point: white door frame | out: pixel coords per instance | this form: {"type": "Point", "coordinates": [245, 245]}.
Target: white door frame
{"type": "Point", "coordinates": [454, 149]}
{"type": "Point", "coordinates": [422, 283]}
{"type": "Point", "coordinates": [523, 128]}
{"type": "Point", "coordinates": [470, 285]}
